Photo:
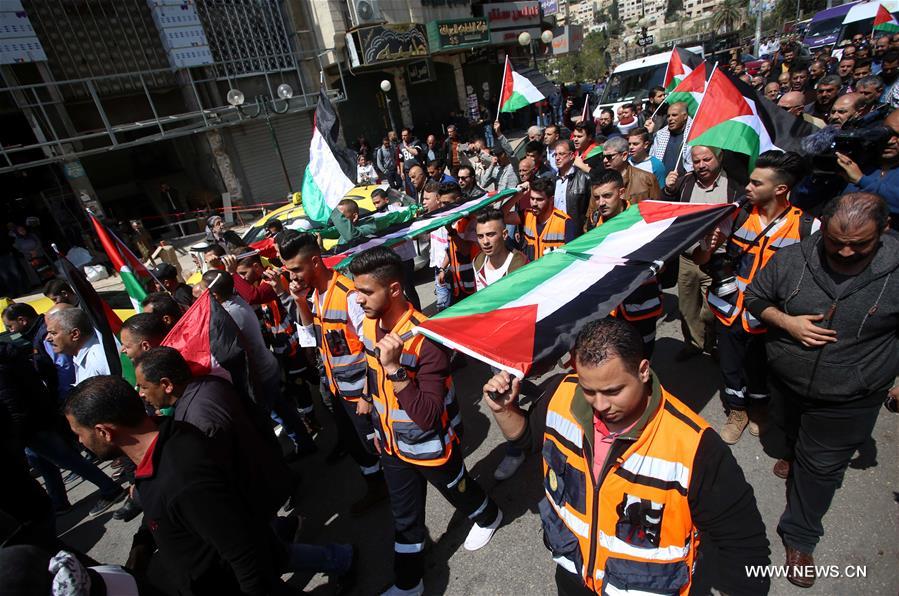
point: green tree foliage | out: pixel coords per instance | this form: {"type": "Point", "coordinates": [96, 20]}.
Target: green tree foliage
{"type": "Point", "coordinates": [587, 64]}
{"type": "Point", "coordinates": [727, 14]}
{"type": "Point", "coordinates": [673, 9]}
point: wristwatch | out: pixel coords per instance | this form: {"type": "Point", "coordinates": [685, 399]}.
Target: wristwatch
{"type": "Point", "coordinates": [401, 374]}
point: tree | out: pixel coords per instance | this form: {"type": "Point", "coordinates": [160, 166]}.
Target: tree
{"type": "Point", "coordinates": [726, 15]}
{"type": "Point", "coordinates": [673, 9]}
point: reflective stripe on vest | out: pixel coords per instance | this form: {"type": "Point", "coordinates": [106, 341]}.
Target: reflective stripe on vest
{"type": "Point", "coordinates": [342, 351]}
{"type": "Point", "coordinates": [633, 534]}
{"type": "Point", "coordinates": [281, 330]}
{"type": "Point", "coordinates": [755, 256]}
{"type": "Point", "coordinates": [398, 433]}
{"type": "Point", "coordinates": [550, 238]}
{"type": "Point", "coordinates": [461, 269]}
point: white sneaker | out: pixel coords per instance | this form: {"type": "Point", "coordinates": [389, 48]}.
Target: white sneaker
{"type": "Point", "coordinates": [508, 466]}
{"type": "Point", "coordinates": [416, 591]}
{"type": "Point", "coordinates": [478, 537]}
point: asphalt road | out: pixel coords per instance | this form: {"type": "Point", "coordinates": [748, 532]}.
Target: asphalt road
{"type": "Point", "coordinates": [861, 527]}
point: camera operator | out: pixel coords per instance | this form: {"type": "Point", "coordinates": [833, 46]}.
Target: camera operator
{"type": "Point", "coordinates": [881, 177]}
{"type": "Point", "coordinates": [732, 255]}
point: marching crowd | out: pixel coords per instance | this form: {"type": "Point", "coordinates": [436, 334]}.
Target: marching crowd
{"type": "Point", "coordinates": [795, 295]}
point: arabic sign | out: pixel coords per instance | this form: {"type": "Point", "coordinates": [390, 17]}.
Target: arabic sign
{"type": "Point", "coordinates": [378, 44]}
{"type": "Point", "coordinates": [458, 33]}
{"type": "Point", "coordinates": [419, 71]}
{"type": "Point", "coordinates": [567, 39]}
{"type": "Point", "coordinates": [509, 19]}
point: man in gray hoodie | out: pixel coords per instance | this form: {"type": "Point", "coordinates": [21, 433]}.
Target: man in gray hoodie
{"type": "Point", "coordinates": [831, 304]}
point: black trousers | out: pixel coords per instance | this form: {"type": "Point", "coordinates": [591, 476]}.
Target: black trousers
{"type": "Point", "coordinates": [569, 584]}
{"type": "Point", "coordinates": [407, 485]}
{"type": "Point", "coordinates": [823, 435]}
{"type": "Point", "coordinates": [409, 284]}
{"type": "Point", "coordinates": [742, 359]}
{"type": "Point", "coordinates": [356, 435]}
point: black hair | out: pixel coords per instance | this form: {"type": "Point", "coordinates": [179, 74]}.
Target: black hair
{"type": "Point", "coordinates": [163, 304]}
{"type": "Point", "coordinates": [833, 80]}
{"type": "Point", "coordinates": [606, 339]}
{"type": "Point", "coordinates": [587, 126]}
{"type": "Point", "coordinates": [797, 67]}
{"type": "Point", "coordinates": [19, 309]}
{"type": "Point", "coordinates": [291, 243]}
{"type": "Point", "coordinates": [629, 106]}
{"type": "Point", "coordinates": [544, 185]}
{"type": "Point", "coordinates": [216, 249]}
{"type": "Point", "coordinates": [788, 166]}
{"type": "Point", "coordinates": [57, 286]}
{"type": "Point", "coordinates": [641, 132]}
{"type": "Point", "coordinates": [163, 362]}
{"type": "Point", "coordinates": [219, 282]}
{"type": "Point", "coordinates": [381, 263]}
{"type": "Point", "coordinates": [656, 89]}
{"type": "Point", "coordinates": [861, 63]}
{"type": "Point", "coordinates": [490, 214]}
{"type": "Point", "coordinates": [857, 208]}
{"type": "Point", "coordinates": [534, 147]}
{"type": "Point", "coordinates": [274, 223]}
{"type": "Point", "coordinates": [608, 111]}
{"type": "Point", "coordinates": [379, 192]}
{"type": "Point", "coordinates": [890, 56]}
{"type": "Point", "coordinates": [105, 399]}
{"type": "Point", "coordinates": [249, 259]}
{"type": "Point", "coordinates": [146, 325]}
{"type": "Point", "coordinates": [431, 186]}
{"type": "Point", "coordinates": [449, 188]}
{"type": "Point", "coordinates": [606, 176]}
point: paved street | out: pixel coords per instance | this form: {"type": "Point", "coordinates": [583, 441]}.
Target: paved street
{"type": "Point", "coordinates": [861, 525]}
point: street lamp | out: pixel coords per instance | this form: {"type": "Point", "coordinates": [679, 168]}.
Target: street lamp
{"type": "Point", "coordinates": [524, 40]}
{"type": "Point", "coordinates": [264, 107]}
{"type": "Point", "coordinates": [386, 87]}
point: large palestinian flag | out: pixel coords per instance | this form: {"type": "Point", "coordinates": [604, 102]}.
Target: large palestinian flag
{"type": "Point", "coordinates": [106, 323]}
{"type": "Point", "coordinates": [407, 230]}
{"type": "Point", "coordinates": [520, 88]}
{"type": "Point", "coordinates": [680, 65]}
{"type": "Point", "coordinates": [733, 116]}
{"type": "Point", "coordinates": [331, 172]}
{"type": "Point", "coordinates": [690, 90]}
{"type": "Point", "coordinates": [131, 270]}
{"type": "Point", "coordinates": [884, 21]}
{"type": "Point", "coordinates": [527, 320]}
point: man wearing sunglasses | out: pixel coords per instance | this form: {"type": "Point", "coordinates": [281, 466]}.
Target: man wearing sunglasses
{"type": "Point", "coordinates": [639, 185]}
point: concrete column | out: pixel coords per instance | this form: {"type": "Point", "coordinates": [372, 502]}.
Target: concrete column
{"type": "Point", "coordinates": [402, 95]}
{"type": "Point", "coordinates": [225, 168]}
{"type": "Point", "coordinates": [456, 61]}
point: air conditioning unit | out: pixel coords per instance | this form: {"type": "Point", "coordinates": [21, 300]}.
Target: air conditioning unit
{"type": "Point", "coordinates": [364, 12]}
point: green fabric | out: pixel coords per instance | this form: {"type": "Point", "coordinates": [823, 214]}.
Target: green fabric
{"type": "Point", "coordinates": [734, 136]}
{"type": "Point", "coordinates": [515, 102]}
{"type": "Point", "coordinates": [365, 227]}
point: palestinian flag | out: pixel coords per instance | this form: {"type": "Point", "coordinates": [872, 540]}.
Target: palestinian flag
{"type": "Point", "coordinates": [408, 230]}
{"type": "Point", "coordinates": [733, 116]}
{"type": "Point", "coordinates": [331, 172]}
{"type": "Point", "coordinates": [680, 65]}
{"type": "Point", "coordinates": [885, 22]}
{"type": "Point", "coordinates": [106, 323]}
{"type": "Point", "coordinates": [526, 321]}
{"type": "Point", "coordinates": [521, 88]}
{"type": "Point", "coordinates": [592, 151]}
{"type": "Point", "coordinates": [690, 90]}
{"type": "Point", "coordinates": [209, 339]}
{"type": "Point", "coordinates": [132, 272]}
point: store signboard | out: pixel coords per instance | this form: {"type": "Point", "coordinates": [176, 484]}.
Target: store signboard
{"type": "Point", "coordinates": [380, 44]}
{"type": "Point", "coordinates": [507, 20]}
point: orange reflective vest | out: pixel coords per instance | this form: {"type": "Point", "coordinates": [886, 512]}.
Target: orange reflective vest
{"type": "Point", "coordinates": [341, 349]}
{"type": "Point", "coordinates": [280, 329]}
{"type": "Point", "coordinates": [631, 529]}
{"type": "Point", "coordinates": [460, 257]}
{"type": "Point", "coordinates": [398, 434]}
{"type": "Point", "coordinates": [756, 254]}
{"type": "Point", "coordinates": [549, 239]}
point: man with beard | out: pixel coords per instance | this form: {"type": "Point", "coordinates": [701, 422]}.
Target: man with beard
{"type": "Point", "coordinates": [816, 70]}
{"type": "Point", "coordinates": [881, 177]}
{"type": "Point", "coordinates": [545, 228]}
{"type": "Point", "coordinates": [888, 74]}
{"type": "Point", "coordinates": [589, 152]}
{"type": "Point", "coordinates": [669, 144]}
{"type": "Point", "coordinates": [825, 94]}
{"type": "Point", "coordinates": [831, 304]}
{"type": "Point", "coordinates": [550, 138]}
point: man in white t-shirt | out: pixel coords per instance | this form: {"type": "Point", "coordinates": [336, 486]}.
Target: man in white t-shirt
{"type": "Point", "coordinates": [439, 242]}
{"type": "Point", "coordinates": [494, 262]}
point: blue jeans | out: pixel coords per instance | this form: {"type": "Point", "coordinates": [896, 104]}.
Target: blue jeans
{"type": "Point", "coordinates": [53, 452]}
{"type": "Point", "coordinates": [327, 558]}
{"type": "Point", "coordinates": [442, 291]}
{"type": "Point", "coordinates": [488, 134]}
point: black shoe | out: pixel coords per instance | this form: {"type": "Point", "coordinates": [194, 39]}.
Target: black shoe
{"type": "Point", "coordinates": [63, 509]}
{"type": "Point", "coordinates": [128, 511]}
{"type": "Point", "coordinates": [376, 491]}
{"type": "Point", "coordinates": [345, 582]}
{"type": "Point", "coordinates": [687, 352]}
{"type": "Point", "coordinates": [337, 454]}
{"type": "Point", "coordinates": [104, 503]}
{"type": "Point", "coordinates": [301, 452]}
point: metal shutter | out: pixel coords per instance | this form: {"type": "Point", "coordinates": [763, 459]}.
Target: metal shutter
{"type": "Point", "coordinates": [259, 159]}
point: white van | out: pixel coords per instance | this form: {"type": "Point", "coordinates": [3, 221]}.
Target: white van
{"type": "Point", "coordinates": [630, 82]}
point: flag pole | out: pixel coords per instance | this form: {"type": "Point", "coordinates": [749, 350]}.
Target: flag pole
{"type": "Point", "coordinates": [680, 154]}
{"type": "Point", "coordinates": [499, 103]}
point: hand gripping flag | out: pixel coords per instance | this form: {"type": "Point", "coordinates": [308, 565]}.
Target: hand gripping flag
{"type": "Point", "coordinates": [131, 270]}
{"type": "Point", "coordinates": [733, 116]}
{"type": "Point", "coordinates": [520, 88]}
{"type": "Point", "coordinates": [884, 21]}
{"type": "Point", "coordinates": [331, 172]}
{"type": "Point", "coordinates": [408, 230]}
{"type": "Point", "coordinates": [527, 320]}
{"type": "Point", "coordinates": [680, 65]}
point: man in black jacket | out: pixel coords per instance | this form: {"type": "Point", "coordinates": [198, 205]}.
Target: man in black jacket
{"type": "Point", "coordinates": [572, 192]}
{"type": "Point", "coordinates": [831, 304]}
{"type": "Point", "coordinates": [198, 510]}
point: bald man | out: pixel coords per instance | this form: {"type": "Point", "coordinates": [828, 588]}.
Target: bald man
{"type": "Point", "coordinates": [845, 108]}
{"type": "Point", "coordinates": [794, 103]}
{"type": "Point", "coordinates": [772, 90]}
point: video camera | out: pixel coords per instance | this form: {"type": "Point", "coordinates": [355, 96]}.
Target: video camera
{"type": "Point", "coordinates": [862, 140]}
